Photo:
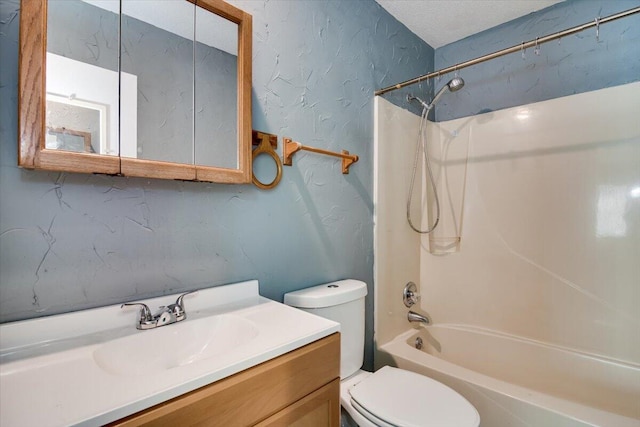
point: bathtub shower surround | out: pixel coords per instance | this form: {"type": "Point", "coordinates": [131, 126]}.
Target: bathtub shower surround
{"type": "Point", "coordinates": [550, 238]}
{"type": "Point", "coordinates": [551, 225]}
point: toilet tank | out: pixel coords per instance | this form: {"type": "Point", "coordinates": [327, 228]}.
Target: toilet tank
{"type": "Point", "coordinates": [342, 302]}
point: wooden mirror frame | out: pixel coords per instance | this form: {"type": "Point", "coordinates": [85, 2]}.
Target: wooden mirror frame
{"type": "Point", "coordinates": [32, 153]}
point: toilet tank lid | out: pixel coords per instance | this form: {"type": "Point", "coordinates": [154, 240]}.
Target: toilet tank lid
{"type": "Point", "coordinates": [327, 295]}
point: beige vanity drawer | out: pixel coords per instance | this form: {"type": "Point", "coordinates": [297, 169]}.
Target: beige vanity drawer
{"type": "Point", "coordinates": [300, 388]}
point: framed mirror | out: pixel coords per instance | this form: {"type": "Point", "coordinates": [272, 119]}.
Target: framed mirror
{"type": "Point", "coordinates": [138, 88]}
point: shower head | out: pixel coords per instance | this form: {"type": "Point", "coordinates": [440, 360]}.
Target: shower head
{"type": "Point", "coordinates": [454, 85]}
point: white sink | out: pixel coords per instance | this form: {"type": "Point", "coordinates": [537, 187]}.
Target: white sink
{"type": "Point", "coordinates": [93, 367]}
{"type": "Point", "coordinates": [157, 350]}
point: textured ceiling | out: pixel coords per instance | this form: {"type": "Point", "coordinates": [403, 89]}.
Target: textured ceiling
{"type": "Point", "coordinates": [440, 22]}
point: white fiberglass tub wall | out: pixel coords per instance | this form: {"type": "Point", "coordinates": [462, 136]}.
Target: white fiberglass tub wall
{"type": "Point", "coordinates": [550, 233]}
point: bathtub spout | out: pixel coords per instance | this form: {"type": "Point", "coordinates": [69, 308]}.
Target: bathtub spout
{"type": "Point", "coordinates": [415, 317]}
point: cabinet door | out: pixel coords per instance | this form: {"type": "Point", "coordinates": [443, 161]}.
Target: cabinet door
{"type": "Point", "coordinates": [319, 409]}
{"type": "Point", "coordinates": [121, 100]}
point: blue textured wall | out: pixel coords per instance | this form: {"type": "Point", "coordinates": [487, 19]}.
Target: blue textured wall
{"type": "Point", "coordinates": [73, 241]}
{"type": "Point", "coordinates": [575, 64]}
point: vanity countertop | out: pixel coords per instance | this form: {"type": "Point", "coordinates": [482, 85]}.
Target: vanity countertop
{"type": "Point", "coordinates": [85, 368]}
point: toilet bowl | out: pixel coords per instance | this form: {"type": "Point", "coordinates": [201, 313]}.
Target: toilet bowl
{"type": "Point", "coordinates": [389, 397]}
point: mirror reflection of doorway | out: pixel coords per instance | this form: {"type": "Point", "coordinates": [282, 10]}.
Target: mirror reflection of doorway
{"type": "Point", "coordinates": [75, 125]}
{"type": "Point", "coordinates": [69, 140]}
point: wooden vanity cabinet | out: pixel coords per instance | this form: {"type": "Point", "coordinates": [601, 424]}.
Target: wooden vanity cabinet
{"type": "Point", "coordinates": [300, 388]}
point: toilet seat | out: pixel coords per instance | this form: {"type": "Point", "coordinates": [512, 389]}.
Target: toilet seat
{"type": "Point", "coordinates": [395, 397]}
{"type": "Point", "coordinates": [369, 416]}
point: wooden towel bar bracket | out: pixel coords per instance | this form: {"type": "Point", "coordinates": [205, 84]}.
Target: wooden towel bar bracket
{"type": "Point", "coordinates": [291, 147]}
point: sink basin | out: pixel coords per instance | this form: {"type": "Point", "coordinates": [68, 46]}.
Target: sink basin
{"type": "Point", "coordinates": [172, 346]}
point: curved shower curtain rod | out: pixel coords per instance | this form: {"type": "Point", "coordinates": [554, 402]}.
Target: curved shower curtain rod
{"type": "Point", "coordinates": [519, 47]}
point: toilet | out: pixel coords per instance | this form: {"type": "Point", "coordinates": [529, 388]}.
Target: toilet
{"type": "Point", "coordinates": [390, 396]}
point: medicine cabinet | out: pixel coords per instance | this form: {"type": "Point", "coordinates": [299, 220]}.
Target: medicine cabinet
{"type": "Point", "coordinates": [137, 88]}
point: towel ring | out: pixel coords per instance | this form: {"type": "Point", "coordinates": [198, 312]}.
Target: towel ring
{"type": "Point", "coordinates": [265, 148]}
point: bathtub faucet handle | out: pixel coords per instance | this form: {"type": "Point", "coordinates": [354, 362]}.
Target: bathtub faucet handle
{"type": "Point", "coordinates": [410, 294]}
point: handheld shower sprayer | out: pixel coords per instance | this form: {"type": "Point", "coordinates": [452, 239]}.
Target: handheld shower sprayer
{"type": "Point", "coordinates": [455, 84]}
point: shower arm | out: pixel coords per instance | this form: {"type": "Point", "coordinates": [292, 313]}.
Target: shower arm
{"type": "Point", "coordinates": [517, 48]}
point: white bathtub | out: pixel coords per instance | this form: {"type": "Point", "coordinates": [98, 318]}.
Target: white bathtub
{"type": "Point", "coordinates": [517, 382]}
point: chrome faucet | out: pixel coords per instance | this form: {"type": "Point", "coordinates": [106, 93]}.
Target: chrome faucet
{"type": "Point", "coordinates": [416, 317]}
{"type": "Point", "coordinates": [164, 316]}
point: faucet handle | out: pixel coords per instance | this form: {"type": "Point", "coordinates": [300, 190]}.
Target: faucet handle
{"type": "Point", "coordinates": [179, 301]}
{"type": "Point", "coordinates": [145, 312]}
{"type": "Point", "coordinates": [178, 308]}
{"type": "Point", "coordinates": [410, 294]}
